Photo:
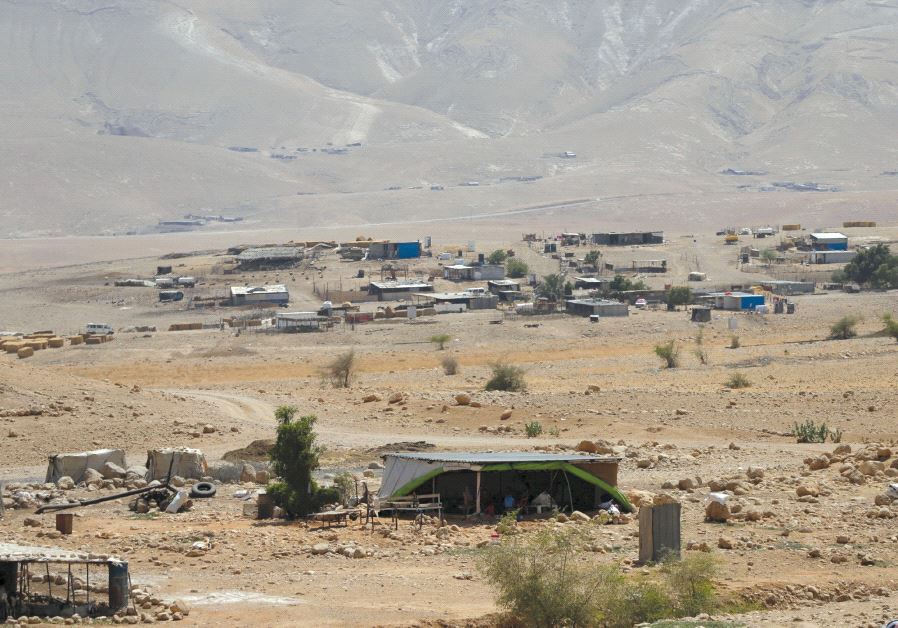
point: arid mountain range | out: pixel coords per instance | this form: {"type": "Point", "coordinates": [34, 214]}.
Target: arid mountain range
{"type": "Point", "coordinates": [120, 113]}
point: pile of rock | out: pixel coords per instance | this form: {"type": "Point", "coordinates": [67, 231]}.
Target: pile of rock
{"type": "Point", "coordinates": [797, 595]}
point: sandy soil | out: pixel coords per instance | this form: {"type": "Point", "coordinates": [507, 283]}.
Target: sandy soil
{"type": "Point", "coordinates": [149, 389]}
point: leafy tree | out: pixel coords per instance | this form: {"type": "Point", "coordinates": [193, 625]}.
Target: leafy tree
{"type": "Point", "coordinates": [769, 255]}
{"type": "Point", "coordinates": [679, 295]}
{"type": "Point", "coordinates": [622, 284]}
{"type": "Point", "coordinates": [294, 457]}
{"type": "Point", "coordinates": [515, 268]}
{"type": "Point", "coordinates": [875, 266]}
{"type": "Point", "coordinates": [285, 414]}
{"type": "Point", "coordinates": [592, 258]}
{"type": "Point", "coordinates": [497, 257]}
{"type": "Point", "coordinates": [551, 287]}
{"type": "Point", "coordinates": [440, 340]}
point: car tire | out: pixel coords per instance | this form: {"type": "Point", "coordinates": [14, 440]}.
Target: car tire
{"type": "Point", "coordinates": [202, 490]}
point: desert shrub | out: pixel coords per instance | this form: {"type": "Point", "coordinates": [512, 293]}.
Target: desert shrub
{"type": "Point", "coordinates": [844, 328]}
{"type": "Point", "coordinates": [285, 414]}
{"type": "Point", "coordinates": [507, 377]}
{"type": "Point", "coordinates": [440, 340]}
{"type": "Point", "coordinates": [737, 380]}
{"type": "Point", "coordinates": [700, 351]}
{"type": "Point", "coordinates": [450, 365]}
{"type": "Point", "coordinates": [533, 429]}
{"type": "Point", "coordinates": [341, 370]}
{"type": "Point", "coordinates": [543, 580]}
{"type": "Point", "coordinates": [344, 482]}
{"type": "Point", "coordinates": [516, 268]}
{"type": "Point", "coordinates": [735, 342]}
{"type": "Point", "coordinates": [769, 255]}
{"type": "Point", "coordinates": [508, 523]}
{"type": "Point", "coordinates": [592, 258]}
{"type": "Point", "coordinates": [551, 287]}
{"type": "Point", "coordinates": [835, 435]}
{"type": "Point", "coordinates": [891, 326]}
{"type": "Point", "coordinates": [670, 353]}
{"type": "Point", "coordinates": [690, 582]}
{"type": "Point", "coordinates": [554, 432]}
{"type": "Point", "coordinates": [294, 457]}
{"type": "Point", "coordinates": [810, 432]}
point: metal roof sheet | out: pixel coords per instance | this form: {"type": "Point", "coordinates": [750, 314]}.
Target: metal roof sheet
{"type": "Point", "coordinates": [500, 457]}
{"type": "Point", "coordinates": [12, 552]}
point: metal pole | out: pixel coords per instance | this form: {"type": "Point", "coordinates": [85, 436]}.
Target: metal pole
{"type": "Point", "coordinates": [477, 510]}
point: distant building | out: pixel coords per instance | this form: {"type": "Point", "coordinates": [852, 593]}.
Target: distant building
{"type": "Point", "coordinates": [601, 307]}
{"type": "Point", "coordinates": [787, 288]}
{"type": "Point", "coordinates": [505, 289]}
{"type": "Point", "coordinates": [830, 257]}
{"type": "Point", "coordinates": [735, 300]}
{"type": "Point", "coordinates": [472, 299]}
{"type": "Point", "coordinates": [263, 295]}
{"type": "Point", "coordinates": [268, 257]}
{"type": "Point", "coordinates": [463, 272]}
{"type": "Point", "coordinates": [592, 283]}
{"type": "Point", "coordinates": [397, 290]}
{"type": "Point", "coordinates": [614, 238]}
{"type": "Point", "coordinates": [394, 250]}
{"type": "Point", "coordinates": [829, 241]}
{"type": "Point", "coordinates": [300, 321]}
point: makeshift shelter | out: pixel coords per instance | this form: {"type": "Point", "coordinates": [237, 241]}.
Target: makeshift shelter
{"type": "Point", "coordinates": [188, 463]}
{"type": "Point", "coordinates": [75, 465]}
{"type": "Point", "coordinates": [474, 481]}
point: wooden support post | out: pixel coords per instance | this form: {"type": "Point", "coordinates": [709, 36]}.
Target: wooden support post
{"type": "Point", "coordinates": [2, 509]}
{"type": "Point", "coordinates": [477, 509]}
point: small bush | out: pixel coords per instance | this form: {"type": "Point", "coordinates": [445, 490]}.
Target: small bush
{"type": "Point", "coordinates": [844, 328]}
{"type": "Point", "coordinates": [507, 377]}
{"type": "Point", "coordinates": [340, 372]}
{"type": "Point", "coordinates": [735, 343]}
{"type": "Point", "coordinates": [554, 432]}
{"type": "Point", "coordinates": [440, 340]}
{"type": "Point", "coordinates": [737, 380]}
{"type": "Point", "coordinates": [450, 365]}
{"type": "Point", "coordinates": [285, 414]}
{"type": "Point", "coordinates": [691, 583]}
{"type": "Point", "coordinates": [700, 351]}
{"type": "Point", "coordinates": [835, 436]}
{"type": "Point", "coordinates": [533, 429]}
{"type": "Point", "coordinates": [497, 257]}
{"type": "Point", "coordinates": [670, 353]}
{"type": "Point", "coordinates": [516, 268]}
{"type": "Point", "coordinates": [345, 484]}
{"type": "Point", "coordinates": [891, 326]}
{"type": "Point", "coordinates": [508, 524]}
{"type": "Point", "coordinates": [810, 432]}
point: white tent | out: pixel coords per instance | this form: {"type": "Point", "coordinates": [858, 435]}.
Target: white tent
{"type": "Point", "coordinates": [75, 464]}
{"type": "Point", "coordinates": [188, 463]}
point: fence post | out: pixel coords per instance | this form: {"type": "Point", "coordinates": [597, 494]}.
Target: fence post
{"type": "Point", "coordinates": [659, 532]}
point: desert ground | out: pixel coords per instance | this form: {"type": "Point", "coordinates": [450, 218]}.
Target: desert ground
{"type": "Point", "coordinates": [811, 541]}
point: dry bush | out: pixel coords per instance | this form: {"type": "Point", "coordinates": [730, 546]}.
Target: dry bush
{"type": "Point", "coordinates": [450, 365]}
{"type": "Point", "coordinates": [341, 370]}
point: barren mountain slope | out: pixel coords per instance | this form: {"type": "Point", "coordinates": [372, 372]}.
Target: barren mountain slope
{"type": "Point", "coordinates": [119, 113]}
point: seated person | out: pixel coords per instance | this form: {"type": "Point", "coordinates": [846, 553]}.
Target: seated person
{"type": "Point", "coordinates": [508, 502]}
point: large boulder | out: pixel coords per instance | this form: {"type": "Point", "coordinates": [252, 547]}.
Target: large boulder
{"type": "Point", "coordinates": [92, 476]}
{"type": "Point", "coordinates": [111, 471]}
{"type": "Point", "coordinates": [717, 512]}
{"type": "Point", "coordinates": [65, 483]}
{"type": "Point", "coordinates": [247, 473]}
{"type": "Point", "coordinates": [463, 399]}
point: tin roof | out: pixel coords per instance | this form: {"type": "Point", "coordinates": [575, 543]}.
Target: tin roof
{"type": "Point", "coordinates": [12, 552]}
{"type": "Point", "coordinates": [829, 236]}
{"type": "Point", "coordinates": [467, 457]}
{"type": "Point", "coordinates": [274, 289]}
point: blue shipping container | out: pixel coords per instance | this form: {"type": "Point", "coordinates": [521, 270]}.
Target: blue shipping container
{"type": "Point", "coordinates": [751, 301]}
{"type": "Point", "coordinates": [408, 250]}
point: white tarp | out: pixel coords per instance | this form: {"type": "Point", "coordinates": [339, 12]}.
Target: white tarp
{"type": "Point", "coordinates": [75, 464]}
{"type": "Point", "coordinates": [401, 471]}
{"type": "Point", "coordinates": [188, 463]}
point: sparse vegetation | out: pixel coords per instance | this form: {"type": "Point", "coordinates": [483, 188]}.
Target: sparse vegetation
{"type": "Point", "coordinates": [440, 340]}
{"type": "Point", "coordinates": [497, 257]}
{"type": "Point", "coordinates": [551, 287]}
{"type": "Point", "coordinates": [735, 342]}
{"type": "Point", "coordinates": [533, 429]}
{"type": "Point", "coordinates": [507, 377]}
{"type": "Point", "coordinates": [508, 523]}
{"type": "Point", "coordinates": [810, 432]}
{"type": "Point", "coordinates": [669, 352]}
{"type": "Point", "coordinates": [622, 284]}
{"type": "Point", "coordinates": [344, 482]}
{"type": "Point", "coordinates": [285, 414]}
{"type": "Point", "coordinates": [891, 324]}
{"type": "Point", "coordinates": [554, 432]}
{"type": "Point", "coordinates": [875, 266]}
{"type": "Point", "coordinates": [294, 457]}
{"type": "Point", "coordinates": [835, 435]}
{"type": "Point", "coordinates": [341, 370]}
{"type": "Point", "coordinates": [450, 365]}
{"type": "Point", "coordinates": [769, 255]}
{"type": "Point", "coordinates": [516, 268]}
{"type": "Point", "coordinates": [844, 328]}
{"type": "Point", "coordinates": [679, 295]}
{"type": "Point", "coordinates": [700, 351]}
{"type": "Point", "coordinates": [737, 380]}
{"type": "Point", "coordinates": [541, 581]}
{"type": "Point", "coordinates": [592, 258]}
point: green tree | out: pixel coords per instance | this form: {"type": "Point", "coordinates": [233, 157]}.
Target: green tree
{"type": "Point", "coordinates": [875, 266]}
{"type": "Point", "coordinates": [497, 257]}
{"type": "Point", "coordinates": [622, 284]}
{"type": "Point", "coordinates": [294, 457]}
{"type": "Point", "coordinates": [844, 328]}
{"type": "Point", "coordinates": [592, 258]}
{"type": "Point", "coordinates": [516, 268]}
{"type": "Point", "coordinates": [679, 295]}
{"type": "Point", "coordinates": [285, 414]}
{"type": "Point", "coordinates": [551, 287]}
{"type": "Point", "coordinates": [440, 340]}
